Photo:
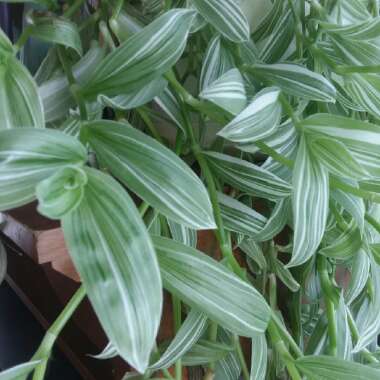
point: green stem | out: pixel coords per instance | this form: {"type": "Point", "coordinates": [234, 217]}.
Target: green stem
{"type": "Point", "coordinates": [177, 311]}
{"type": "Point", "coordinates": [69, 12]}
{"type": "Point", "coordinates": [22, 39]}
{"type": "Point", "coordinates": [167, 374]}
{"type": "Point", "coordinates": [212, 335]}
{"type": "Point", "coordinates": [327, 289]}
{"type": "Point", "coordinates": [53, 332]}
{"type": "Point", "coordinates": [149, 123]}
{"type": "Point", "coordinates": [143, 208]}
{"type": "Point", "coordinates": [104, 31]}
{"type": "Point", "coordinates": [280, 347]}
{"type": "Point", "coordinates": [241, 357]}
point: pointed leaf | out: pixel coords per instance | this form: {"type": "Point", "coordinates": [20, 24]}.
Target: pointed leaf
{"type": "Point", "coordinates": [310, 204]}
{"type": "Point", "coordinates": [254, 251]}
{"type": "Point", "coordinates": [258, 121]}
{"type": "Point", "coordinates": [226, 17]}
{"type": "Point", "coordinates": [208, 286]}
{"type": "Point", "coordinates": [152, 171]}
{"type": "Point", "coordinates": [30, 155]}
{"type": "Point", "coordinates": [110, 246]}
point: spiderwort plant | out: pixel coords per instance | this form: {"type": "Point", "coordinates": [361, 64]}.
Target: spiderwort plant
{"type": "Point", "coordinates": [273, 144]}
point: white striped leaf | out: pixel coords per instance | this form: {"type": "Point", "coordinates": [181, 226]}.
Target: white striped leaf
{"type": "Point", "coordinates": [240, 218]}
{"type": "Point", "coordinates": [137, 98]}
{"type": "Point", "coordinates": [332, 368]}
{"type": "Point", "coordinates": [109, 352]}
{"type": "Point", "coordinates": [55, 93]}
{"type": "Point", "coordinates": [20, 103]}
{"type": "Point", "coordinates": [349, 12]}
{"type": "Point", "coordinates": [276, 222]}
{"type": "Point", "coordinates": [359, 276]}
{"type": "Point", "coordinates": [227, 92]}
{"type": "Point", "coordinates": [56, 30]}
{"type": "Point", "coordinates": [115, 258]}
{"type": "Point", "coordinates": [183, 234]}
{"type": "Point", "coordinates": [257, 121]}
{"type": "Point", "coordinates": [216, 62]}
{"type": "Point", "coordinates": [345, 245]}
{"type": "Point", "coordinates": [344, 343]}
{"type": "Point", "coordinates": [297, 80]}
{"type": "Point", "coordinates": [208, 286]}
{"type": "Point", "coordinates": [285, 275]}
{"type": "Point", "coordinates": [145, 56]}
{"type": "Point", "coordinates": [368, 317]}
{"type": "Point", "coordinates": [335, 156]}
{"type": "Point", "coordinates": [254, 251]}
{"type": "Point", "coordinates": [30, 155]}
{"type": "Point", "coordinates": [248, 177]}
{"type": "Point", "coordinates": [226, 17]}
{"type": "Point", "coordinates": [190, 332]}
{"type": "Point", "coordinates": [259, 358]}
{"type": "Point", "coordinates": [152, 171]}
{"type": "Point", "coordinates": [205, 352]}
{"type": "Point", "coordinates": [364, 89]}
{"type": "Point", "coordinates": [19, 372]}
{"type": "Point", "coordinates": [3, 262]}
{"type": "Point", "coordinates": [310, 204]}
{"type": "Point", "coordinates": [352, 204]}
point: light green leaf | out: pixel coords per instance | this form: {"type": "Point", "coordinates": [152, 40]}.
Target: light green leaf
{"type": "Point", "coordinates": [310, 204]}
{"type": "Point", "coordinates": [205, 352]}
{"type": "Point", "coordinates": [345, 245]}
{"type": "Point", "coordinates": [350, 12]}
{"type": "Point", "coordinates": [3, 262]}
{"type": "Point", "coordinates": [183, 234]}
{"type": "Point", "coordinates": [248, 177]}
{"type": "Point", "coordinates": [137, 98]}
{"type": "Point", "coordinates": [259, 358]}
{"type": "Point", "coordinates": [145, 56]}
{"type": "Point", "coordinates": [19, 372]}
{"type": "Point", "coordinates": [226, 17]}
{"type": "Point", "coordinates": [227, 92]}
{"type": "Point", "coordinates": [240, 218]}
{"type": "Point", "coordinates": [208, 286]}
{"type": "Point", "coordinates": [254, 251]}
{"type": "Point", "coordinates": [296, 80]}
{"type": "Point", "coordinates": [190, 332]}
{"type": "Point", "coordinates": [56, 30]}
{"type": "Point", "coordinates": [20, 103]}
{"type": "Point", "coordinates": [256, 122]}
{"type": "Point", "coordinates": [152, 171]}
{"type": "Point", "coordinates": [56, 96]}
{"type": "Point", "coordinates": [216, 62]}
{"type": "Point", "coordinates": [62, 192]}
{"type": "Point", "coordinates": [285, 275]}
{"type": "Point", "coordinates": [331, 368]}
{"type": "Point", "coordinates": [30, 155]}
{"type": "Point", "coordinates": [110, 246]}
{"type": "Point", "coordinates": [109, 352]}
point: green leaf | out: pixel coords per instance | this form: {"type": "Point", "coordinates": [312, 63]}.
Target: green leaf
{"type": "Point", "coordinates": [145, 56]}
{"type": "Point", "coordinates": [62, 192]}
{"type": "Point", "coordinates": [137, 98]}
{"type": "Point", "coordinates": [240, 218]}
{"type": "Point", "coordinates": [20, 103]}
{"type": "Point", "coordinates": [183, 234]}
{"type": "Point", "coordinates": [208, 286]}
{"type": "Point", "coordinates": [256, 122]}
{"type": "Point", "coordinates": [56, 30]}
{"type": "Point", "coordinates": [259, 358]}
{"type": "Point", "coordinates": [226, 17]}
{"type": "Point", "coordinates": [3, 262]}
{"type": "Point", "coordinates": [296, 80]}
{"type": "Point", "coordinates": [19, 372]}
{"type": "Point", "coordinates": [205, 352]}
{"type": "Point", "coordinates": [30, 155]}
{"type": "Point", "coordinates": [254, 251]}
{"type": "Point", "coordinates": [310, 204]}
{"type": "Point", "coordinates": [336, 158]}
{"type": "Point", "coordinates": [285, 275]}
{"type": "Point", "coordinates": [190, 332]}
{"type": "Point", "coordinates": [152, 171]}
{"type": "Point", "coordinates": [248, 177]}
{"type": "Point", "coordinates": [227, 92]}
{"type": "Point", "coordinates": [216, 62]}
{"type": "Point", "coordinates": [331, 368]}
{"type": "Point", "coordinates": [109, 245]}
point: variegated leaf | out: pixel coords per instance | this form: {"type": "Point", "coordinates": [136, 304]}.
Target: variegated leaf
{"type": "Point", "coordinates": [259, 358]}
{"type": "Point", "coordinates": [19, 372]}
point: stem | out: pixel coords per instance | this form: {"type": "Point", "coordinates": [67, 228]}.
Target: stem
{"type": "Point", "coordinates": [329, 303]}
{"type": "Point", "coordinates": [149, 123]}
{"type": "Point", "coordinates": [280, 347]}
{"type": "Point", "coordinates": [23, 38]}
{"type": "Point", "coordinates": [167, 374]}
{"type": "Point", "coordinates": [177, 325]}
{"type": "Point", "coordinates": [242, 359]}
{"type": "Point", "coordinates": [53, 332]}
{"type": "Point", "coordinates": [69, 12]}
{"type": "Point", "coordinates": [143, 208]}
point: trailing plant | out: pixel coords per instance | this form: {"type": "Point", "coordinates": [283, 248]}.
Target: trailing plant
{"type": "Point", "coordinates": [151, 120]}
